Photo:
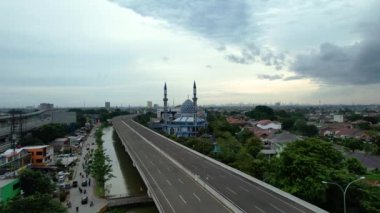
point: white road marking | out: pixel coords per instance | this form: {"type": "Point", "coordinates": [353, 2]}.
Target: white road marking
{"type": "Point", "coordinates": [151, 162]}
{"type": "Point", "coordinates": [179, 179]}
{"type": "Point", "coordinates": [259, 209]}
{"type": "Point", "coordinates": [168, 182]}
{"type": "Point", "coordinates": [197, 197]}
{"type": "Point", "coordinates": [159, 171]}
{"type": "Point", "coordinates": [252, 185]}
{"type": "Point", "coordinates": [155, 182]}
{"type": "Point", "coordinates": [243, 188]}
{"type": "Point", "coordinates": [275, 207]}
{"type": "Point", "coordinates": [183, 200]}
{"type": "Point", "coordinates": [231, 190]}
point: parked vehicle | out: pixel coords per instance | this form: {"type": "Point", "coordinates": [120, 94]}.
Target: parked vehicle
{"type": "Point", "coordinates": [84, 200]}
{"type": "Point", "coordinates": [84, 183]}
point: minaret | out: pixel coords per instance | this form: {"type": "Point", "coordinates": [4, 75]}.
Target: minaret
{"type": "Point", "coordinates": [195, 106]}
{"type": "Point", "coordinates": [165, 105]}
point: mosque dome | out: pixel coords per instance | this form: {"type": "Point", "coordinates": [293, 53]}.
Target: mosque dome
{"type": "Point", "coordinates": [187, 107]}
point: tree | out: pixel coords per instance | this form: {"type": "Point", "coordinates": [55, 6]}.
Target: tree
{"type": "Point", "coordinates": [261, 112]}
{"type": "Point", "coordinates": [202, 145]}
{"type": "Point", "coordinates": [33, 182]}
{"type": "Point", "coordinates": [354, 166]}
{"type": "Point", "coordinates": [37, 203]}
{"type": "Point", "coordinates": [304, 129]}
{"type": "Point", "coordinates": [253, 146]}
{"type": "Point", "coordinates": [353, 144]}
{"type": "Point", "coordinates": [229, 147]}
{"type": "Point", "coordinates": [101, 167]}
{"type": "Point", "coordinates": [29, 140]}
{"type": "Point", "coordinates": [49, 132]}
{"type": "Point", "coordinates": [303, 165]}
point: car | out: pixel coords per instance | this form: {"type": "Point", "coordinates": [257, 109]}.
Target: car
{"type": "Point", "coordinates": [84, 183]}
{"type": "Point", "coordinates": [84, 200]}
{"type": "Point", "coordinates": [64, 186]}
{"type": "Point", "coordinates": [75, 183]}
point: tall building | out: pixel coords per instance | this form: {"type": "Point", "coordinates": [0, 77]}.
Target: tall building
{"type": "Point", "coordinates": [107, 105]}
{"type": "Point", "coordinates": [149, 104]}
{"type": "Point", "coordinates": [46, 106]}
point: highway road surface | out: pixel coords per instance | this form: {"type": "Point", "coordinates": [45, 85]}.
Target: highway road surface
{"type": "Point", "coordinates": [245, 195]}
{"type": "Point", "coordinates": [175, 190]}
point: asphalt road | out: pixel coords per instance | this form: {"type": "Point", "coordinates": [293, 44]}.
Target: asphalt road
{"type": "Point", "coordinates": [248, 196]}
{"type": "Point", "coordinates": [176, 190]}
{"type": "Point", "coordinates": [75, 195]}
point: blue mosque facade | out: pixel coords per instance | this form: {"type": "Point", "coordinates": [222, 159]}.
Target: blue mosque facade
{"type": "Point", "coordinates": [187, 121]}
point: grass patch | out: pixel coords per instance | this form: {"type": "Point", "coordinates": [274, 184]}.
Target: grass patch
{"type": "Point", "coordinates": [99, 191]}
{"type": "Point", "coordinates": [373, 177]}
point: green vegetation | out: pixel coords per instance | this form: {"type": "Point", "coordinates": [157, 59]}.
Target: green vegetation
{"type": "Point", "coordinates": [261, 112]}
{"type": "Point", "coordinates": [45, 134]}
{"type": "Point", "coordinates": [145, 118]}
{"type": "Point", "coordinates": [301, 167]}
{"type": "Point", "coordinates": [37, 203]}
{"type": "Point", "coordinates": [38, 189]}
{"type": "Point", "coordinates": [104, 114]}
{"type": "Point", "coordinates": [33, 182]}
{"type": "Point", "coordinates": [100, 166]}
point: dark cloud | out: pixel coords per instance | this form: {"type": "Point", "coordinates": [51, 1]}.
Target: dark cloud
{"type": "Point", "coordinates": [226, 22]}
{"type": "Point", "coordinates": [354, 64]}
{"type": "Point", "coordinates": [292, 78]}
{"type": "Point", "coordinates": [270, 77]}
{"type": "Point", "coordinates": [252, 54]}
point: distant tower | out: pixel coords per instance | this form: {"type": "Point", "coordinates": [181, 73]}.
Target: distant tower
{"type": "Point", "coordinates": [165, 105]}
{"type": "Point", "coordinates": [195, 106]}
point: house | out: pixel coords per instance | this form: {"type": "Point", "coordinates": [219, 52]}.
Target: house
{"type": "Point", "coordinates": [344, 130]}
{"type": "Point", "coordinates": [41, 156]}
{"type": "Point", "coordinates": [261, 133]}
{"type": "Point", "coordinates": [268, 124]}
{"type": "Point", "coordinates": [352, 133]}
{"type": "Point", "coordinates": [59, 144]}
{"type": "Point", "coordinates": [233, 120]}
{"type": "Point", "coordinates": [279, 141]}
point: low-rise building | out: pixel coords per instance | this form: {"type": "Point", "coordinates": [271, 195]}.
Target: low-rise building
{"type": "Point", "coordinates": [278, 142]}
{"type": "Point", "coordinates": [12, 161]}
{"type": "Point", "coordinates": [9, 188]}
{"type": "Point", "coordinates": [41, 156]}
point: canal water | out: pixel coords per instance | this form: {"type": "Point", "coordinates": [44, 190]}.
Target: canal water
{"type": "Point", "coordinates": [127, 180]}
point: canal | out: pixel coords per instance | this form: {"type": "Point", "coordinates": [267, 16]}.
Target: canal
{"type": "Point", "coordinates": [127, 180]}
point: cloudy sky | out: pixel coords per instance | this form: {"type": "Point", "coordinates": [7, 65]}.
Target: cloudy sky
{"type": "Point", "coordinates": [84, 52]}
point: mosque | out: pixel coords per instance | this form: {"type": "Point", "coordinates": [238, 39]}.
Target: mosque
{"type": "Point", "coordinates": [184, 120]}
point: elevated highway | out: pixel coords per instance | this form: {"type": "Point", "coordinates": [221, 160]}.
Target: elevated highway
{"type": "Point", "coordinates": [181, 180]}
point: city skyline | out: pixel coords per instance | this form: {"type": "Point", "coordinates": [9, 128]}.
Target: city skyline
{"type": "Point", "coordinates": [82, 53]}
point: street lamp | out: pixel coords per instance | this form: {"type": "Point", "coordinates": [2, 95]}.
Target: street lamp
{"type": "Point", "coordinates": [344, 190]}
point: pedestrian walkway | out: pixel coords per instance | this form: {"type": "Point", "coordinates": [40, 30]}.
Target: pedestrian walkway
{"type": "Point", "coordinates": [88, 188]}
